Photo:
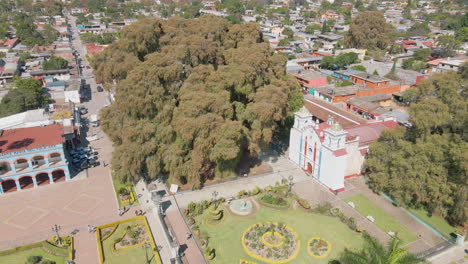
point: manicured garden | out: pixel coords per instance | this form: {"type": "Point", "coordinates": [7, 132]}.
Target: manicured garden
{"type": "Point", "coordinates": [381, 219]}
{"type": "Point", "coordinates": [436, 222]}
{"type": "Point", "coordinates": [125, 193]}
{"type": "Point", "coordinates": [44, 252]}
{"type": "Point", "coordinates": [126, 241]}
{"type": "Point", "coordinates": [284, 232]}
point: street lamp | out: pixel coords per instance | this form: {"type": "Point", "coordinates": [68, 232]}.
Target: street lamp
{"type": "Point", "coordinates": [56, 228]}
{"type": "Point", "coordinates": [215, 194]}
{"type": "Point", "coordinates": [290, 182]}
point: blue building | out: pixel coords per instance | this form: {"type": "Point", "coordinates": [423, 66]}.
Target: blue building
{"type": "Point", "coordinates": [31, 157]}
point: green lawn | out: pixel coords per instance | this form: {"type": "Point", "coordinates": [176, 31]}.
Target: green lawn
{"type": "Point", "coordinates": [382, 220]}
{"type": "Point", "coordinates": [436, 222]}
{"type": "Point", "coordinates": [22, 256]}
{"type": "Point", "coordinates": [226, 238]}
{"type": "Point", "coordinates": [117, 185]}
{"type": "Point", "coordinates": [131, 255]}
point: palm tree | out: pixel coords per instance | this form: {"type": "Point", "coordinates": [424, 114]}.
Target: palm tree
{"type": "Point", "coordinates": [374, 252]}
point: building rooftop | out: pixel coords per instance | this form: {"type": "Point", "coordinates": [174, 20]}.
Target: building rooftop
{"type": "Point", "coordinates": [331, 90]}
{"type": "Point", "coordinates": [367, 106]}
{"type": "Point", "coordinates": [370, 132]}
{"type": "Point", "coordinates": [370, 77]}
{"type": "Point", "coordinates": [323, 110]}
{"type": "Point", "coordinates": [14, 140]}
{"type": "Point", "coordinates": [307, 74]}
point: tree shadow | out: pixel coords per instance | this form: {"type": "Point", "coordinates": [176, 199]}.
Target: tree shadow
{"type": "Point", "coordinates": [20, 143]}
{"type": "Point", "coordinates": [165, 205]}
{"type": "Point", "coordinates": [182, 248]}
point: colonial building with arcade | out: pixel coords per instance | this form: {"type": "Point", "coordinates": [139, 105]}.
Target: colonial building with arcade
{"type": "Point", "coordinates": [32, 157]}
{"type": "Point", "coordinates": [329, 152]}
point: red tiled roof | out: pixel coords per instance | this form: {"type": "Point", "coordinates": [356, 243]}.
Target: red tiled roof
{"type": "Point", "coordinates": [409, 42]}
{"type": "Point", "coordinates": [322, 110]}
{"type": "Point", "coordinates": [14, 140]}
{"type": "Point", "coordinates": [10, 42]}
{"type": "Point", "coordinates": [340, 152]}
{"type": "Point", "coordinates": [436, 61]}
{"type": "Point", "coordinates": [368, 133]}
{"type": "Point", "coordinates": [428, 43]}
{"type": "Point", "coordinates": [93, 48]}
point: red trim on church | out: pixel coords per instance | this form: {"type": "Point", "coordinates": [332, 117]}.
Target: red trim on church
{"type": "Point", "coordinates": [354, 175]}
{"type": "Point", "coordinates": [340, 152]}
{"type": "Point", "coordinates": [339, 190]}
{"type": "Point", "coordinates": [363, 152]}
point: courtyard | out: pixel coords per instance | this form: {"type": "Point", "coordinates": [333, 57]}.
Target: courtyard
{"type": "Point", "coordinates": [268, 235]}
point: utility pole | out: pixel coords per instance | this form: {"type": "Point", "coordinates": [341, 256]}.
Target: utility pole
{"type": "Point", "coordinates": [56, 228]}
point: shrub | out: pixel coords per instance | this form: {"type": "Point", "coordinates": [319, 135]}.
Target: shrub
{"type": "Point", "coordinates": [274, 199]}
{"type": "Point", "coordinates": [191, 207]}
{"type": "Point", "coordinates": [256, 190]}
{"type": "Point", "coordinates": [124, 191]}
{"type": "Point", "coordinates": [284, 181]}
{"type": "Point", "coordinates": [34, 259]}
{"type": "Point", "coordinates": [304, 203]}
{"type": "Point", "coordinates": [191, 221]}
{"type": "Point", "coordinates": [322, 209]}
{"type": "Point", "coordinates": [222, 200]}
{"type": "Point", "coordinates": [269, 188]}
{"type": "Point", "coordinates": [241, 193]}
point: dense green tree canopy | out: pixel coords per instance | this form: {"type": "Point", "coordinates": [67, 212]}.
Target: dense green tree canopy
{"type": "Point", "coordinates": [55, 63]}
{"type": "Point", "coordinates": [426, 166]}
{"type": "Point", "coordinates": [26, 95]}
{"type": "Point", "coordinates": [369, 30]}
{"type": "Point", "coordinates": [193, 96]}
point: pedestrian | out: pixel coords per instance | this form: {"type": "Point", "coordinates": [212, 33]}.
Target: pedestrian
{"type": "Point", "coordinates": [136, 212]}
{"type": "Point", "coordinates": [89, 228]}
{"type": "Point", "coordinates": [188, 235]}
{"type": "Point", "coordinates": [141, 212]}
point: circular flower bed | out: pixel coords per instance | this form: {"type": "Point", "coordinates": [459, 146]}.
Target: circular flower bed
{"type": "Point", "coordinates": [271, 242]}
{"type": "Point", "coordinates": [318, 247]}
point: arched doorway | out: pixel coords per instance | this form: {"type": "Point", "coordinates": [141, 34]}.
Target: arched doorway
{"type": "Point", "coordinates": [26, 182]}
{"type": "Point", "coordinates": [4, 167]}
{"type": "Point", "coordinates": [38, 161]}
{"type": "Point", "coordinates": [58, 175]}
{"type": "Point", "coordinates": [21, 164]}
{"type": "Point", "coordinates": [309, 168]}
{"type": "Point", "coordinates": [9, 186]}
{"type": "Point", "coordinates": [55, 158]}
{"type": "Point", "coordinates": [42, 179]}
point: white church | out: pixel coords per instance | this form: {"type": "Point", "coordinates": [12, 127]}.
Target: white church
{"type": "Point", "coordinates": [329, 152]}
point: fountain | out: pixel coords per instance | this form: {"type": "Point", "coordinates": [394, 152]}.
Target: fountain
{"type": "Point", "coordinates": [241, 207]}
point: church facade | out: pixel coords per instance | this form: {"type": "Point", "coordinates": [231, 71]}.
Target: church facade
{"type": "Point", "coordinates": [329, 152]}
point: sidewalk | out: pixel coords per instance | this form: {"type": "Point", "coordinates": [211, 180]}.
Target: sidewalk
{"type": "Point", "coordinates": [147, 205]}
{"type": "Point", "coordinates": [232, 188]}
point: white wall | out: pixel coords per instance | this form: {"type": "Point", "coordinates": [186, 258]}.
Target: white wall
{"type": "Point", "coordinates": [332, 170]}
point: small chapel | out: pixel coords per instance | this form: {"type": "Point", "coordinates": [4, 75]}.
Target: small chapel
{"type": "Point", "coordinates": [329, 152]}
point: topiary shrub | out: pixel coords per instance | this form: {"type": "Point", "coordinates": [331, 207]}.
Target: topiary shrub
{"type": "Point", "coordinates": [304, 203]}
{"type": "Point", "coordinates": [269, 188]}
{"type": "Point", "coordinates": [256, 190]}
{"type": "Point", "coordinates": [34, 259]}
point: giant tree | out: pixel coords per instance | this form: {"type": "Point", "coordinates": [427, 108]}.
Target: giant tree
{"type": "Point", "coordinates": [193, 97]}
